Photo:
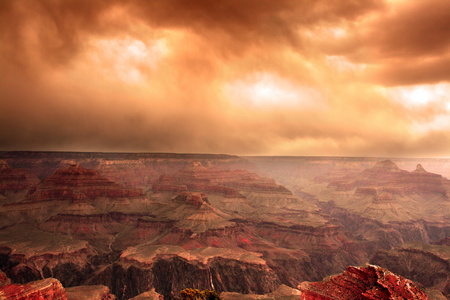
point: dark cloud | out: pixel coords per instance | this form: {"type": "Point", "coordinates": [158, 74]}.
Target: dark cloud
{"type": "Point", "coordinates": [409, 71]}
{"type": "Point", "coordinates": [153, 76]}
{"type": "Point", "coordinates": [250, 21]}
{"type": "Point", "coordinates": [405, 44]}
{"type": "Point", "coordinates": [415, 29]}
{"type": "Point", "coordinates": [60, 27]}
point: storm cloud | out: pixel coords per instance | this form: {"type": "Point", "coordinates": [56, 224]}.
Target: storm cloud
{"type": "Point", "coordinates": [254, 77]}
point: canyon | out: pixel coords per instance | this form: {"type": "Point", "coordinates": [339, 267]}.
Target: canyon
{"type": "Point", "coordinates": [136, 225]}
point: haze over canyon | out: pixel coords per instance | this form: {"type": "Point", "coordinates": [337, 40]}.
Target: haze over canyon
{"type": "Point", "coordinates": [143, 225]}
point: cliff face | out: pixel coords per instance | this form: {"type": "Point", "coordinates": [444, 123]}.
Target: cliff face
{"type": "Point", "coordinates": [426, 264]}
{"type": "Point", "coordinates": [29, 254]}
{"type": "Point", "coordinates": [371, 282]}
{"type": "Point", "coordinates": [169, 273]}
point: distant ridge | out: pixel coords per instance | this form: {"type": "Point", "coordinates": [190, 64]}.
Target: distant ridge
{"type": "Point", "coordinates": [110, 155]}
{"type": "Point", "coordinates": [419, 169]}
{"type": "Point", "coordinates": [386, 166]}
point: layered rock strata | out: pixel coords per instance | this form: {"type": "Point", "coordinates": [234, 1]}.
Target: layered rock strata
{"type": "Point", "coordinates": [14, 183]}
{"type": "Point", "coordinates": [46, 289]}
{"type": "Point", "coordinates": [371, 282]}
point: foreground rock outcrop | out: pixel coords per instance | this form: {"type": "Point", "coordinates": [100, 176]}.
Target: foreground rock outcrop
{"type": "Point", "coordinates": [371, 282]}
{"type": "Point", "coordinates": [46, 289]}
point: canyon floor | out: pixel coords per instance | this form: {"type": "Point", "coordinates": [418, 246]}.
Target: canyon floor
{"type": "Point", "coordinates": [140, 225]}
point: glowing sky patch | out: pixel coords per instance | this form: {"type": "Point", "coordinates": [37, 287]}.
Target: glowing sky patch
{"type": "Point", "coordinates": [126, 58]}
{"type": "Point", "coordinates": [421, 95]}
{"type": "Point", "coordinates": [267, 90]}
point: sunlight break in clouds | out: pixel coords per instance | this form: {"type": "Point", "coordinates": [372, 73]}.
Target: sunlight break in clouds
{"type": "Point", "coordinates": [430, 103]}
{"type": "Point", "coordinates": [421, 95]}
{"type": "Point", "coordinates": [126, 58]}
{"type": "Point", "coordinates": [268, 91]}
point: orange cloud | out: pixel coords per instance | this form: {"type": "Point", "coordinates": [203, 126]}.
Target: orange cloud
{"type": "Point", "coordinates": [260, 77]}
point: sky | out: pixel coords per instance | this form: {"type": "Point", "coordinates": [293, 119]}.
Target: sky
{"type": "Point", "coordinates": [254, 77]}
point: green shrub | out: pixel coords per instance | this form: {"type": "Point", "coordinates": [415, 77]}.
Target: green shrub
{"type": "Point", "coordinates": [196, 294]}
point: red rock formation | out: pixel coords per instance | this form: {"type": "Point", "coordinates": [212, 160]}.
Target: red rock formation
{"type": "Point", "coordinates": [192, 211]}
{"type": "Point", "coordinates": [14, 183]}
{"type": "Point", "coordinates": [387, 175]}
{"type": "Point", "coordinates": [302, 236]}
{"type": "Point", "coordinates": [132, 173]}
{"type": "Point", "coordinates": [384, 166]}
{"type": "Point", "coordinates": [225, 182]}
{"type": "Point", "coordinates": [73, 190]}
{"type": "Point", "coordinates": [371, 282]}
{"type": "Point", "coordinates": [388, 194]}
{"type": "Point", "coordinates": [46, 289]}
{"type": "Point", "coordinates": [74, 183]}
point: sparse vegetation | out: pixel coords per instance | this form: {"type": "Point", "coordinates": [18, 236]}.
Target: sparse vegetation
{"type": "Point", "coordinates": [196, 294]}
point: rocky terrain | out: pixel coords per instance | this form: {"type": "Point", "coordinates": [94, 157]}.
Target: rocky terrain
{"type": "Point", "coordinates": [130, 224]}
{"type": "Point", "coordinates": [50, 289]}
{"type": "Point", "coordinates": [47, 289]}
{"type": "Point", "coordinates": [388, 194]}
{"type": "Point", "coordinates": [426, 264]}
{"type": "Point", "coordinates": [380, 205]}
{"type": "Point", "coordinates": [371, 282]}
